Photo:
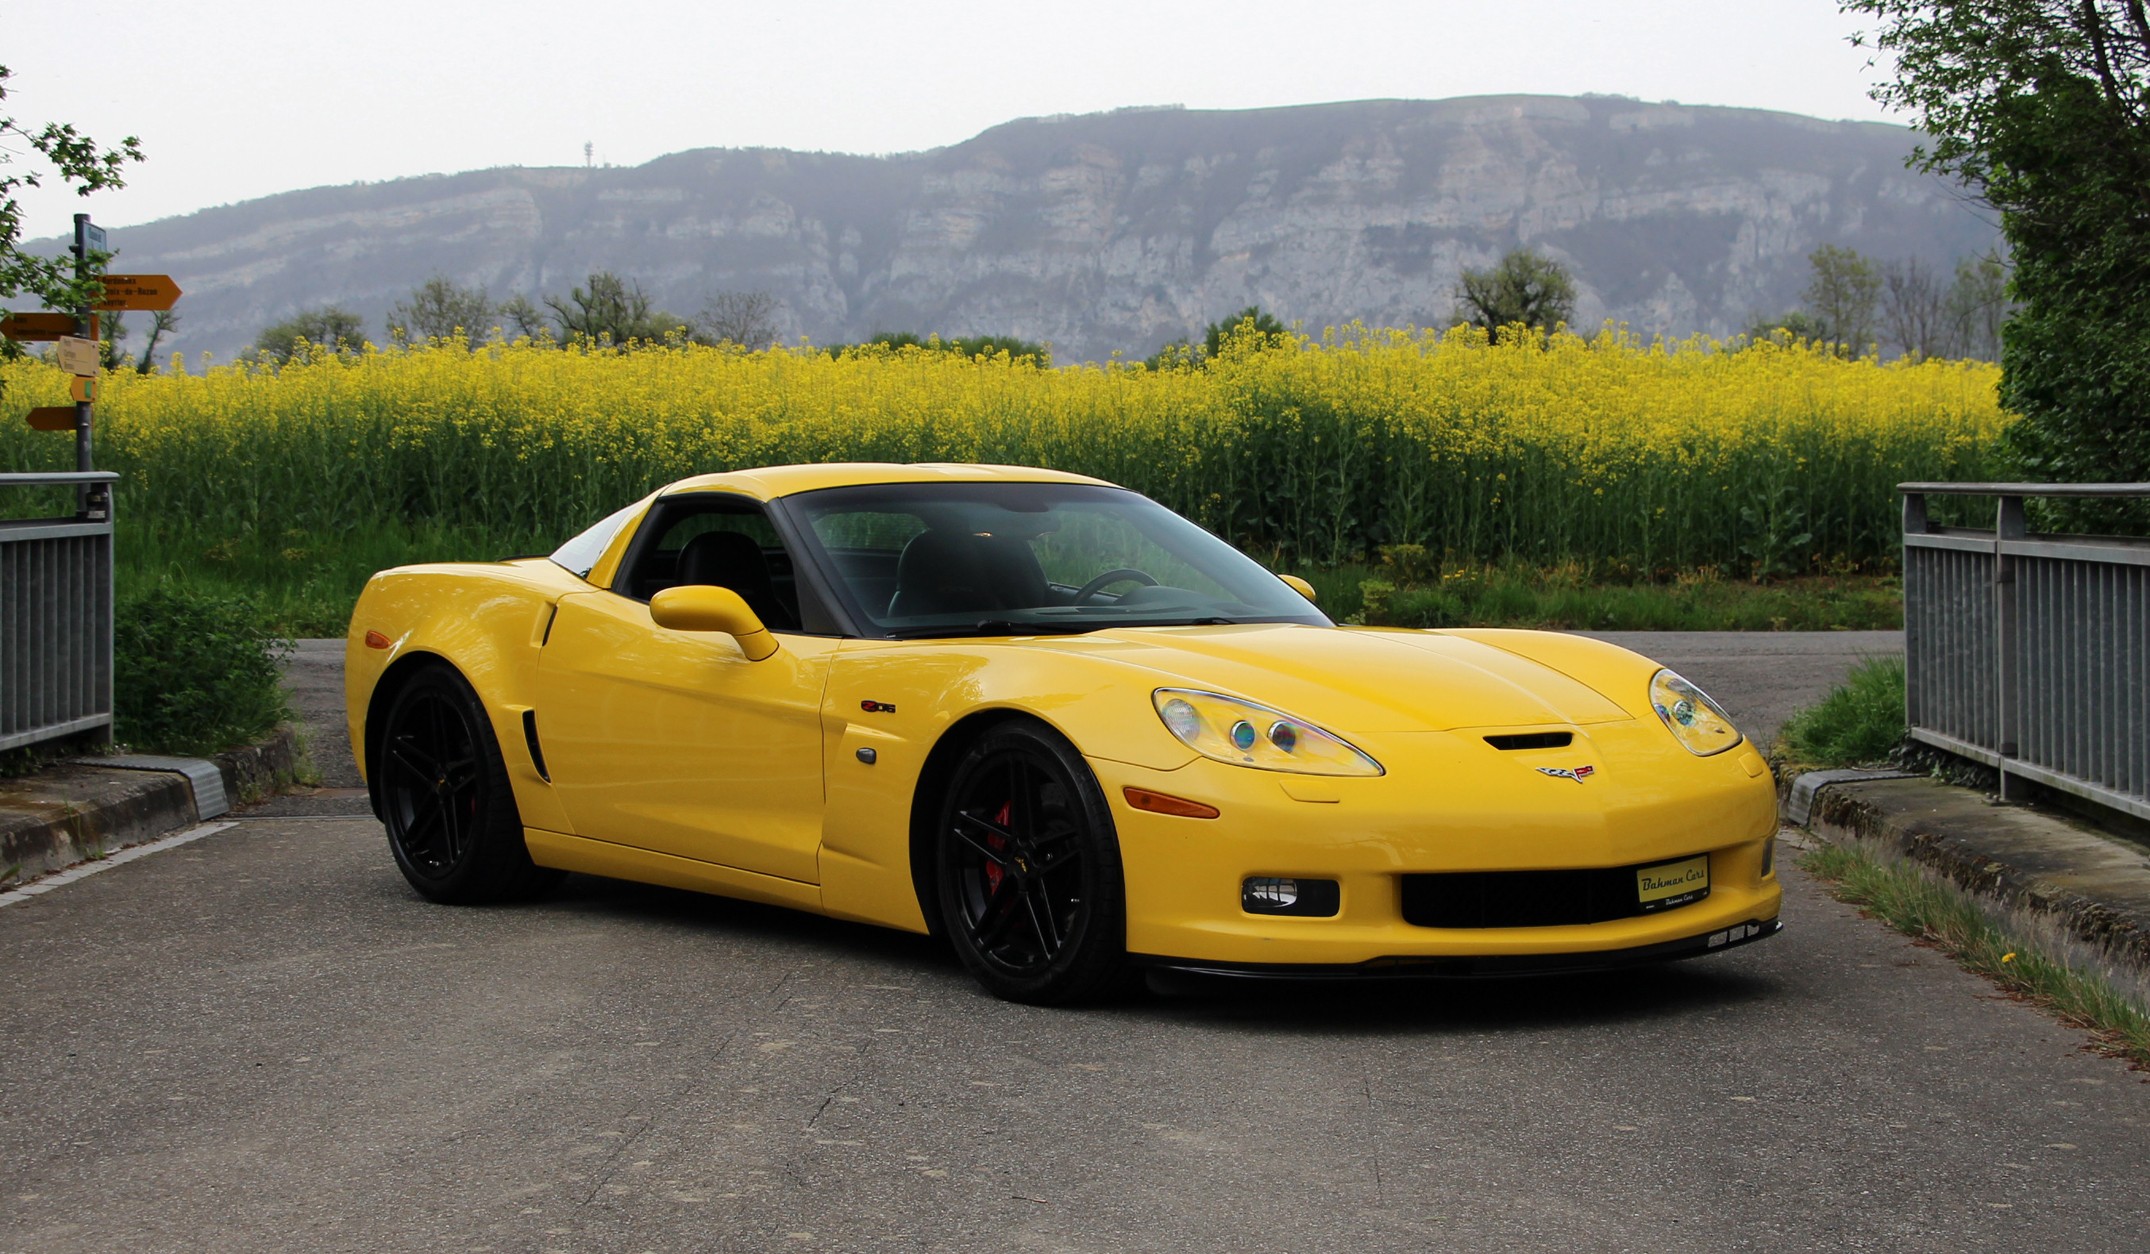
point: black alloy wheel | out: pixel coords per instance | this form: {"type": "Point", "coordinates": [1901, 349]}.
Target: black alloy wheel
{"type": "Point", "coordinates": [1028, 869]}
{"type": "Point", "coordinates": [445, 799]}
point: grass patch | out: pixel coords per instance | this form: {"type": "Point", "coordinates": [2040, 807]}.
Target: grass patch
{"type": "Point", "coordinates": [2073, 986]}
{"type": "Point", "coordinates": [1860, 722]}
{"type": "Point", "coordinates": [1403, 592]}
{"type": "Point", "coordinates": [304, 583]}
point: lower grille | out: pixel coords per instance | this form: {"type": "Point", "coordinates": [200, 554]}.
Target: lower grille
{"type": "Point", "coordinates": [1521, 898]}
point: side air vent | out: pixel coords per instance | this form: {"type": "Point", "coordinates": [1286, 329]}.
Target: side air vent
{"type": "Point", "coordinates": [1532, 740]}
{"type": "Point", "coordinates": [537, 755]}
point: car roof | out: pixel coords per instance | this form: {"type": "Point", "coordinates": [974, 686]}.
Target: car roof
{"type": "Point", "coordinates": [770, 482]}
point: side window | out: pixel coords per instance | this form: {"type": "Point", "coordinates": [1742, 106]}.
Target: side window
{"type": "Point", "coordinates": [709, 538]}
{"type": "Point", "coordinates": [864, 546]}
{"type": "Point", "coordinates": [581, 553]}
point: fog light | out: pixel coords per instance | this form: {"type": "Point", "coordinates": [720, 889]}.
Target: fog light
{"type": "Point", "coordinates": [1276, 894]}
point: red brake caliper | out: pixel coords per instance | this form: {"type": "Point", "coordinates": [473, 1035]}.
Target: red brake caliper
{"type": "Point", "coordinates": [993, 873]}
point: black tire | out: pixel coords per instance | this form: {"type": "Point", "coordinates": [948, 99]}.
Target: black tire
{"type": "Point", "coordinates": [443, 794]}
{"type": "Point", "coordinates": [1027, 870]}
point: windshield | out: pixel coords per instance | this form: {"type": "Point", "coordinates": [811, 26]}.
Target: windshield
{"type": "Point", "coordinates": [929, 559]}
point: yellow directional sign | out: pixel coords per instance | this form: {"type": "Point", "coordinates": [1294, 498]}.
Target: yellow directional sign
{"type": "Point", "coordinates": [51, 418]}
{"type": "Point", "coordinates": [77, 355]}
{"type": "Point", "coordinates": [148, 292]}
{"type": "Point", "coordinates": [28, 327]}
{"type": "Point", "coordinates": [84, 387]}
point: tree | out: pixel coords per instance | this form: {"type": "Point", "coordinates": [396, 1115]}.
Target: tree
{"type": "Point", "coordinates": [747, 319]}
{"type": "Point", "coordinates": [1522, 288]}
{"type": "Point", "coordinates": [1977, 307]}
{"type": "Point", "coordinates": [161, 323]}
{"type": "Point", "coordinates": [1842, 296]}
{"type": "Point", "coordinates": [1250, 327]}
{"type": "Point", "coordinates": [330, 327]}
{"type": "Point", "coordinates": [440, 309]}
{"type": "Point", "coordinates": [611, 309]}
{"type": "Point", "coordinates": [79, 162]}
{"type": "Point", "coordinates": [2043, 108]}
{"type": "Point", "coordinates": [1796, 325]}
{"type": "Point", "coordinates": [528, 320]}
{"type": "Point", "coordinates": [1914, 308]}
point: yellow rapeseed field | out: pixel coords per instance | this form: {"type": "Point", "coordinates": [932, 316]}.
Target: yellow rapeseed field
{"type": "Point", "coordinates": [1638, 457]}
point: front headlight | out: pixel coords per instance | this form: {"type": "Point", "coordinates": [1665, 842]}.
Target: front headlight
{"type": "Point", "coordinates": [1693, 719]}
{"type": "Point", "coordinates": [1245, 734]}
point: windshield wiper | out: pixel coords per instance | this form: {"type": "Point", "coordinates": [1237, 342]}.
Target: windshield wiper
{"type": "Point", "coordinates": [997, 627]}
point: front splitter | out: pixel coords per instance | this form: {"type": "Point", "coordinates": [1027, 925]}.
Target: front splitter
{"type": "Point", "coordinates": [1490, 966]}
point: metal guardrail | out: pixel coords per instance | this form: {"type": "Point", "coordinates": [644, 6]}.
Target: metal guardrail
{"type": "Point", "coordinates": [56, 615]}
{"type": "Point", "coordinates": [2031, 652]}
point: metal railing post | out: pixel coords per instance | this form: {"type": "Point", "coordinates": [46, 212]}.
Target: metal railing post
{"type": "Point", "coordinates": [2008, 524]}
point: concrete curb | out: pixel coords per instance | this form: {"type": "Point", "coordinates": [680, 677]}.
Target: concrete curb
{"type": "Point", "coordinates": [74, 812]}
{"type": "Point", "coordinates": [2048, 866]}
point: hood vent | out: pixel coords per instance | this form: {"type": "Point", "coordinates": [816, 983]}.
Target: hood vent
{"type": "Point", "coordinates": [1533, 740]}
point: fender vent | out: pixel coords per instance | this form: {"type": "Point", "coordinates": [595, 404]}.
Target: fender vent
{"type": "Point", "coordinates": [1532, 740]}
{"type": "Point", "coordinates": [537, 755]}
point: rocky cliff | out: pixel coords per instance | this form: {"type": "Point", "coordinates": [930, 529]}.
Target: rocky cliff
{"type": "Point", "coordinates": [1117, 232]}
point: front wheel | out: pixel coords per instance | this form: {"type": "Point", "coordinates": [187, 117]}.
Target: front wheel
{"type": "Point", "coordinates": [445, 799]}
{"type": "Point", "coordinates": [1028, 870]}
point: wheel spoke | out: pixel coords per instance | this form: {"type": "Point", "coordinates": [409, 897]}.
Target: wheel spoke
{"type": "Point", "coordinates": [979, 841]}
{"type": "Point", "coordinates": [1043, 922]}
{"type": "Point", "coordinates": [1054, 850]}
{"type": "Point", "coordinates": [406, 756]}
{"type": "Point", "coordinates": [424, 830]}
{"type": "Point", "coordinates": [999, 911]}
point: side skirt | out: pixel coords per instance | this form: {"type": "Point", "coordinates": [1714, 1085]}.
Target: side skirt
{"type": "Point", "coordinates": [625, 862]}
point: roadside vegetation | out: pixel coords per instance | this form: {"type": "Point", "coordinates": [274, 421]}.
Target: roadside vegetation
{"type": "Point", "coordinates": [1524, 472]}
{"type": "Point", "coordinates": [2056, 974]}
{"type": "Point", "coordinates": [193, 673]}
{"type": "Point", "coordinates": [1859, 723]}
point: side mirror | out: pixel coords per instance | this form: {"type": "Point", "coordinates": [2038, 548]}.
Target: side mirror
{"type": "Point", "coordinates": [1298, 585]}
{"type": "Point", "coordinates": [705, 607]}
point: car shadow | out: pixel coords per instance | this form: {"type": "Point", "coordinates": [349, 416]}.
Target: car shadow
{"type": "Point", "coordinates": [1363, 1006]}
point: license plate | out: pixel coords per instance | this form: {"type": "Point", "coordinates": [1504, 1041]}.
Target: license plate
{"type": "Point", "coordinates": [1670, 884]}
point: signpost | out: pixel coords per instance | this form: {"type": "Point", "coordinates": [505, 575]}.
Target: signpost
{"type": "Point", "coordinates": [77, 355]}
{"type": "Point", "coordinates": [73, 336]}
{"type": "Point", "coordinates": [25, 328]}
{"type": "Point", "coordinates": [146, 292]}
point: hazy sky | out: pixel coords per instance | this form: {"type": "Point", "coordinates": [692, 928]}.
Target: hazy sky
{"type": "Point", "coordinates": [234, 99]}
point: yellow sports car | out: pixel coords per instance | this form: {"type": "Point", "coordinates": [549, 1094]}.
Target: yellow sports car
{"type": "Point", "coordinates": [1054, 722]}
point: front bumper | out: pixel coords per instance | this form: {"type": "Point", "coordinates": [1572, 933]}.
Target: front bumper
{"type": "Point", "coordinates": [1448, 804]}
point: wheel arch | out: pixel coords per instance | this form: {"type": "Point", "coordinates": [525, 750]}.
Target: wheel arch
{"type": "Point", "coordinates": [933, 779]}
{"type": "Point", "coordinates": [385, 689]}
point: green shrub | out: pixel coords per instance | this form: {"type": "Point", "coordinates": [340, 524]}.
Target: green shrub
{"type": "Point", "coordinates": [193, 673]}
{"type": "Point", "coordinates": [1858, 724]}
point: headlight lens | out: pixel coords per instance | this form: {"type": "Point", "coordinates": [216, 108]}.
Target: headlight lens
{"type": "Point", "coordinates": [1689, 714]}
{"type": "Point", "coordinates": [1245, 734]}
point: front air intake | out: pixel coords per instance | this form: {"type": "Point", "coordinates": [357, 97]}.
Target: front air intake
{"type": "Point", "coordinates": [1533, 740]}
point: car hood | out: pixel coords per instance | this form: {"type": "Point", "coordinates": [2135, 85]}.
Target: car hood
{"type": "Point", "coordinates": [1357, 680]}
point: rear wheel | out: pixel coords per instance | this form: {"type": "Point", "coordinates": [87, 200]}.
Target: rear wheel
{"type": "Point", "coordinates": [445, 798]}
{"type": "Point", "coordinates": [1027, 869]}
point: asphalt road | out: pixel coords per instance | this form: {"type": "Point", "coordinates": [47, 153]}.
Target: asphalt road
{"type": "Point", "coordinates": [264, 1040]}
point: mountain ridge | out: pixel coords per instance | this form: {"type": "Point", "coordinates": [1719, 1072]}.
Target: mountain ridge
{"type": "Point", "coordinates": [1116, 232]}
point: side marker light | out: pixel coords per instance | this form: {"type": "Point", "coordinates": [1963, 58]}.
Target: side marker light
{"type": "Point", "coordinates": [375, 640]}
{"type": "Point", "coordinates": [1166, 803]}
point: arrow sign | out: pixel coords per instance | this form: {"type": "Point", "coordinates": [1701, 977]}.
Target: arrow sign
{"type": "Point", "coordinates": [77, 355]}
{"type": "Point", "coordinates": [147, 292]}
{"type": "Point", "coordinates": [28, 327]}
{"type": "Point", "coordinates": [51, 418]}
